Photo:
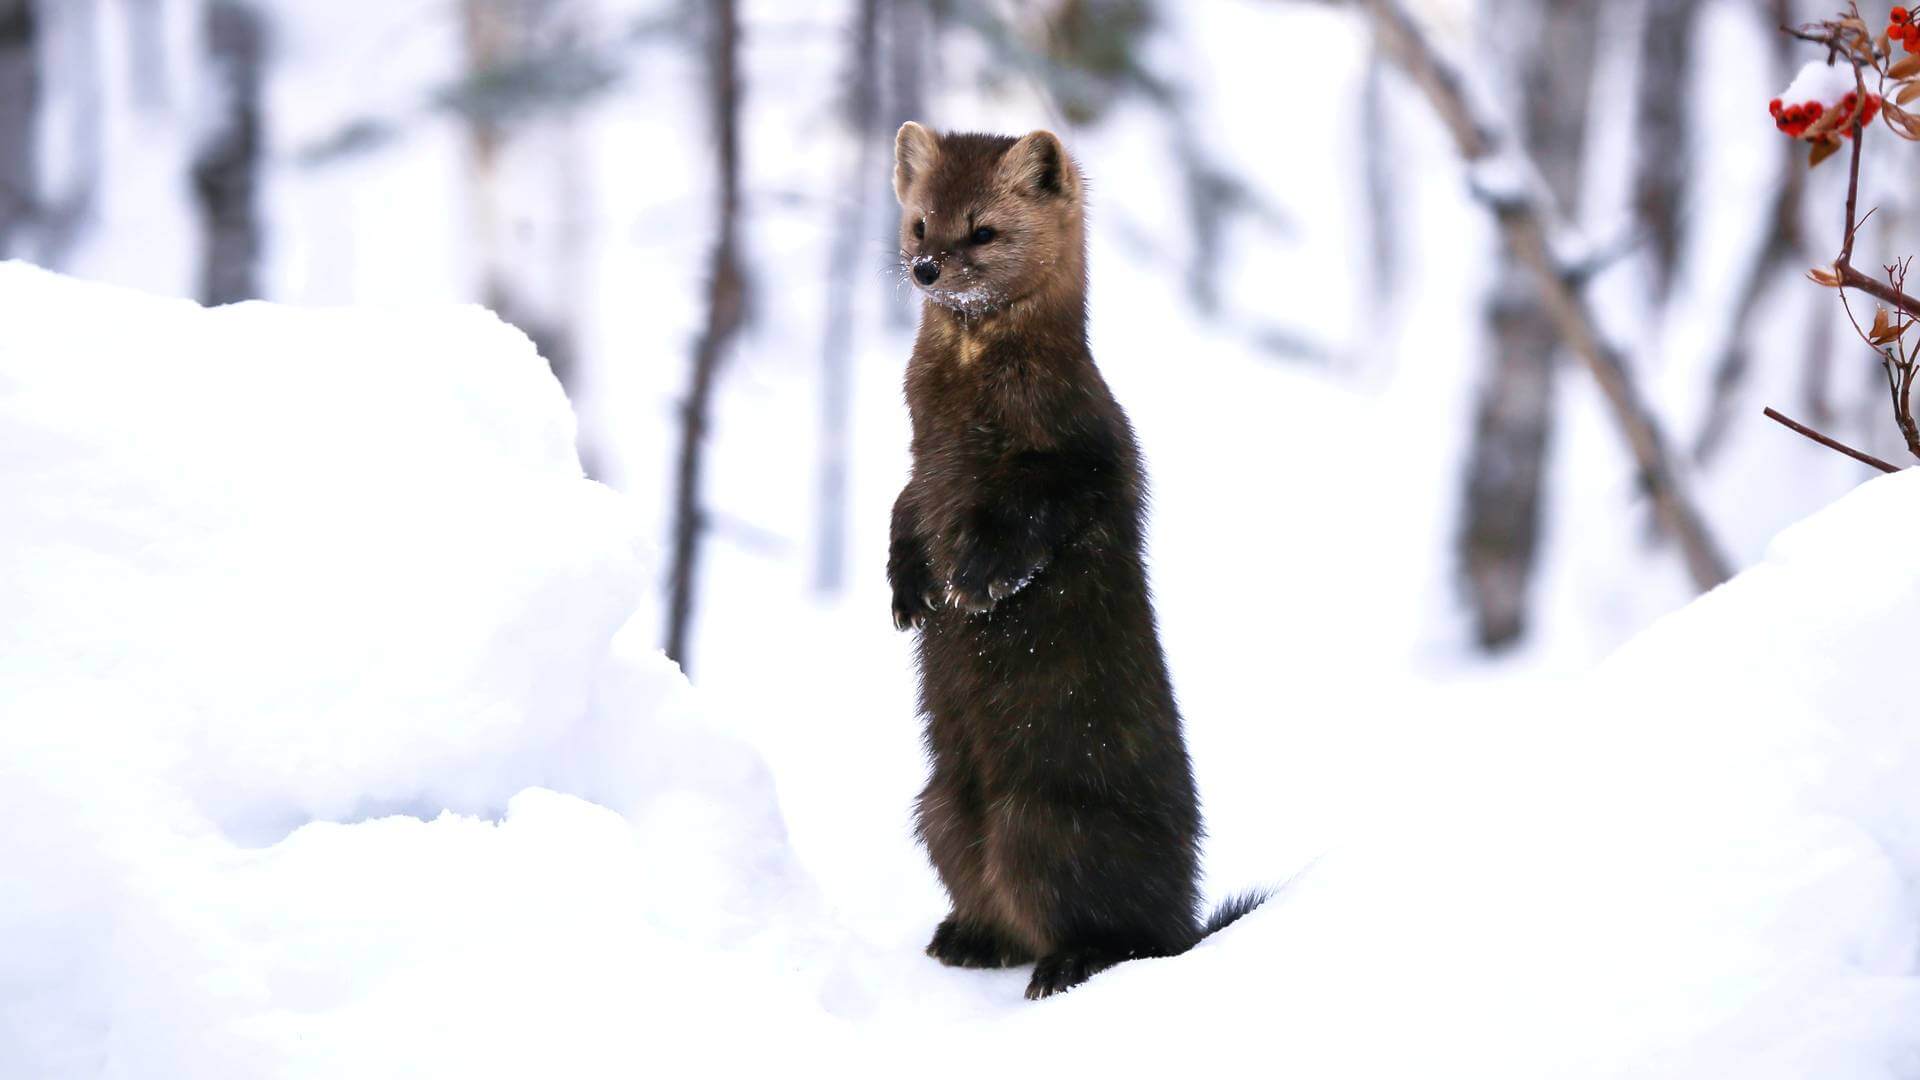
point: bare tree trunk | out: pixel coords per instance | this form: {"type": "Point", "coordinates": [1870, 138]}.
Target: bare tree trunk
{"type": "Point", "coordinates": [226, 168]}
{"type": "Point", "coordinates": [147, 51]}
{"type": "Point", "coordinates": [909, 26]}
{"type": "Point", "coordinates": [71, 103]}
{"type": "Point", "coordinates": [726, 312]}
{"type": "Point", "coordinates": [843, 262]}
{"type": "Point", "coordinates": [1376, 162]}
{"type": "Point", "coordinates": [908, 41]}
{"type": "Point", "coordinates": [524, 173]}
{"type": "Point", "coordinates": [1782, 253]}
{"type": "Point", "coordinates": [19, 105]}
{"type": "Point", "coordinates": [1506, 466]}
{"type": "Point", "coordinates": [1513, 417]}
{"type": "Point", "coordinates": [1665, 148]}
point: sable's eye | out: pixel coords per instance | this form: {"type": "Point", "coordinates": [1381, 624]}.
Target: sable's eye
{"type": "Point", "coordinates": [982, 235]}
{"type": "Point", "coordinates": [920, 229]}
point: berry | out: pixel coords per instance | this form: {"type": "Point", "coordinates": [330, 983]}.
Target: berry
{"type": "Point", "coordinates": [1774, 107]}
{"type": "Point", "coordinates": [1900, 15]}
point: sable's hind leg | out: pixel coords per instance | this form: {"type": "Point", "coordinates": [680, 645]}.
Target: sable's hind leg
{"type": "Point", "coordinates": [970, 943]}
{"type": "Point", "coordinates": [1068, 968]}
{"type": "Point", "coordinates": [1100, 885]}
{"type": "Point", "coordinates": [952, 826]}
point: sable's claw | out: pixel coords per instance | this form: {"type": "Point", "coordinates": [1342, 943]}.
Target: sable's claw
{"type": "Point", "coordinates": [910, 616]}
{"type": "Point", "coordinates": [968, 602]}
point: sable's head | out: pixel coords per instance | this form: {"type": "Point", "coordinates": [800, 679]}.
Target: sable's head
{"type": "Point", "coordinates": [986, 220]}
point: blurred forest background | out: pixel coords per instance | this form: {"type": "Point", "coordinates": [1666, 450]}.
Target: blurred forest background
{"type": "Point", "coordinates": [1361, 411]}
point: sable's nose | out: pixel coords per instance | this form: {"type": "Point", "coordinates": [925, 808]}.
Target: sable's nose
{"type": "Point", "coordinates": [926, 271]}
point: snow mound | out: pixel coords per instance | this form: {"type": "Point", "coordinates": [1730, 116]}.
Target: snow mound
{"type": "Point", "coordinates": [1698, 860]}
{"type": "Point", "coordinates": [266, 572]}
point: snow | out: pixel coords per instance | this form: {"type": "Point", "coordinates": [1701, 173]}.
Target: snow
{"type": "Point", "coordinates": [333, 739]}
{"type": "Point", "coordinates": [333, 746]}
{"type": "Point", "coordinates": [271, 577]}
{"type": "Point", "coordinates": [1820, 81]}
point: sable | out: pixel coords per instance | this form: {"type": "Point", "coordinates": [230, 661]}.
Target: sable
{"type": "Point", "coordinates": [1060, 811]}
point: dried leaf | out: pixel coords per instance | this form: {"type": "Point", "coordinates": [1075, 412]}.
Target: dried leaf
{"type": "Point", "coordinates": [1823, 275]}
{"type": "Point", "coordinates": [1905, 122]}
{"type": "Point", "coordinates": [1909, 91]}
{"type": "Point", "coordinates": [1907, 68]}
{"type": "Point", "coordinates": [1828, 121]}
{"type": "Point", "coordinates": [1879, 321]}
{"type": "Point", "coordinates": [1823, 150]}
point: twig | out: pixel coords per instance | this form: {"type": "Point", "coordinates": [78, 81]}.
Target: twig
{"type": "Point", "coordinates": [1526, 223]}
{"type": "Point", "coordinates": [1830, 443]}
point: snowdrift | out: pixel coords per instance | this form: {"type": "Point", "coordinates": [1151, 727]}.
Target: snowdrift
{"type": "Point", "coordinates": [314, 650]}
{"type": "Point", "coordinates": [331, 745]}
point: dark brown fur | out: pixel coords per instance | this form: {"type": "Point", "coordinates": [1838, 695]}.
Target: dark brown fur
{"type": "Point", "coordinates": [1060, 812]}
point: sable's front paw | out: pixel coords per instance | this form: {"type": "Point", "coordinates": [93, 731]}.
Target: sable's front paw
{"type": "Point", "coordinates": [910, 610]}
{"type": "Point", "coordinates": [977, 586]}
{"type": "Point", "coordinates": [914, 598]}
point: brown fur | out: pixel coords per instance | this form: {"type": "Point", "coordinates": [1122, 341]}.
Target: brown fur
{"type": "Point", "coordinates": [1060, 812]}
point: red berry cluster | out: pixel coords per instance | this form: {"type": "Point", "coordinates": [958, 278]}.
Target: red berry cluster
{"type": "Point", "coordinates": [1904, 29]}
{"type": "Point", "coordinates": [1796, 119]}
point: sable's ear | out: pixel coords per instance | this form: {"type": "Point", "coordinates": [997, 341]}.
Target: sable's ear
{"type": "Point", "coordinates": [1039, 165]}
{"type": "Point", "coordinates": [914, 151]}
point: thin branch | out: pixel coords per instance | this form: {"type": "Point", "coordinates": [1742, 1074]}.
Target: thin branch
{"type": "Point", "coordinates": [1851, 278]}
{"type": "Point", "coordinates": [1853, 187]}
{"type": "Point", "coordinates": [1526, 221]}
{"type": "Point", "coordinates": [1854, 279]}
{"type": "Point", "coordinates": [1827, 441]}
{"type": "Point", "coordinates": [1900, 368]}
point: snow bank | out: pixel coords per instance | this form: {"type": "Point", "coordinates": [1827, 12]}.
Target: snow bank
{"type": "Point", "coordinates": [330, 746]}
{"type": "Point", "coordinates": [1699, 860]}
{"type": "Point", "coordinates": [266, 572]}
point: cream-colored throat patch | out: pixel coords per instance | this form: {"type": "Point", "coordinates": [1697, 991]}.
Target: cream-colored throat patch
{"type": "Point", "coordinates": [971, 345]}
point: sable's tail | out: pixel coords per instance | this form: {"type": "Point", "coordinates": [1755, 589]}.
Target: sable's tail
{"type": "Point", "coordinates": [1229, 912]}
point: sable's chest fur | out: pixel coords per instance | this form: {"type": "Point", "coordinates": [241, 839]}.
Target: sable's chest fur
{"type": "Point", "coordinates": [980, 396]}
